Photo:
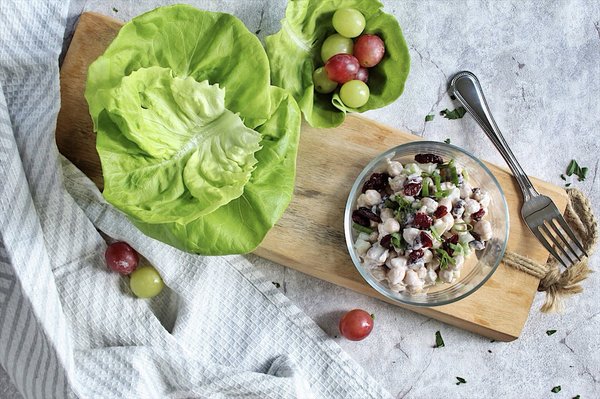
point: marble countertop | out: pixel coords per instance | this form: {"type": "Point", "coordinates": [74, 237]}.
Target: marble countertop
{"type": "Point", "coordinates": [539, 65]}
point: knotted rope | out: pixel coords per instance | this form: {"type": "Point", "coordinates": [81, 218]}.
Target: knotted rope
{"type": "Point", "coordinates": [558, 285]}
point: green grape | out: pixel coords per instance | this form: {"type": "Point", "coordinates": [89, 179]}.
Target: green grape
{"type": "Point", "coordinates": [145, 282]}
{"type": "Point", "coordinates": [336, 44]}
{"type": "Point", "coordinates": [354, 93]}
{"type": "Point", "coordinates": [322, 83]}
{"type": "Point", "coordinates": [348, 22]}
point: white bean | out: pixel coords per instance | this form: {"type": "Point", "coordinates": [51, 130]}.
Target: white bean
{"type": "Point", "coordinates": [399, 261]}
{"type": "Point", "coordinates": [445, 202]}
{"type": "Point", "coordinates": [429, 204]}
{"type": "Point", "coordinates": [379, 273]}
{"type": "Point", "coordinates": [386, 213]}
{"type": "Point", "coordinates": [394, 168]}
{"type": "Point", "coordinates": [411, 279]}
{"type": "Point", "coordinates": [410, 235]}
{"type": "Point", "coordinates": [446, 276]}
{"type": "Point", "coordinates": [431, 276]}
{"type": "Point", "coordinates": [390, 226]}
{"type": "Point", "coordinates": [466, 190]}
{"type": "Point", "coordinates": [397, 183]}
{"type": "Point", "coordinates": [396, 275]}
{"type": "Point", "coordinates": [484, 229]}
{"type": "Point", "coordinates": [471, 206]}
{"type": "Point", "coordinates": [422, 273]}
{"type": "Point", "coordinates": [427, 256]}
{"type": "Point", "coordinates": [372, 197]}
{"type": "Point", "coordinates": [362, 246]}
{"type": "Point", "coordinates": [376, 256]}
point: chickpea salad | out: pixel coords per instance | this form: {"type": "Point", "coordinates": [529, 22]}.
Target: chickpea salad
{"type": "Point", "coordinates": [418, 222]}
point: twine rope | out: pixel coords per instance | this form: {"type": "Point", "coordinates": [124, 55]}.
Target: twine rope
{"type": "Point", "coordinates": [559, 285]}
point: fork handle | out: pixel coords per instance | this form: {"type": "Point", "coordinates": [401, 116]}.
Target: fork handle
{"type": "Point", "coordinates": [466, 88]}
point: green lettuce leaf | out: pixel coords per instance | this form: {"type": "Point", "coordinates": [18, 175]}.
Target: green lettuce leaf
{"type": "Point", "coordinates": [241, 225]}
{"type": "Point", "coordinates": [194, 155]}
{"type": "Point", "coordinates": [153, 94]}
{"type": "Point", "coordinates": [294, 53]}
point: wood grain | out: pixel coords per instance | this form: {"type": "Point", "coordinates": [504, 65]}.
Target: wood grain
{"type": "Point", "coordinates": [309, 237]}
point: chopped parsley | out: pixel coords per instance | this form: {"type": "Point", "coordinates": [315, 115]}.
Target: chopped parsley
{"type": "Point", "coordinates": [556, 389]}
{"type": "Point", "coordinates": [460, 380]}
{"type": "Point", "coordinates": [397, 241]}
{"type": "Point", "coordinates": [362, 229]}
{"type": "Point", "coordinates": [454, 114]}
{"type": "Point", "coordinates": [447, 141]}
{"type": "Point", "coordinates": [575, 169]}
{"type": "Point", "coordinates": [550, 332]}
{"type": "Point", "coordinates": [439, 341]}
{"type": "Point", "coordinates": [429, 118]}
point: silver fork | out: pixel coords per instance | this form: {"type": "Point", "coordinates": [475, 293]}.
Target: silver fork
{"type": "Point", "coordinates": [539, 212]}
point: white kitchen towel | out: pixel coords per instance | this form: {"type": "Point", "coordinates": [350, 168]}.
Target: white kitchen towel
{"type": "Point", "coordinates": [71, 328]}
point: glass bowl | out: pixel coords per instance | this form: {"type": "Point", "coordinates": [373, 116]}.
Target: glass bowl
{"type": "Point", "coordinates": [479, 265]}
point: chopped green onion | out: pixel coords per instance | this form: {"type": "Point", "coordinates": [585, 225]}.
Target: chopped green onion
{"type": "Point", "coordinates": [425, 187]}
{"type": "Point", "coordinates": [435, 234]}
{"type": "Point", "coordinates": [445, 259]}
{"type": "Point", "coordinates": [361, 228]}
{"type": "Point", "coordinates": [397, 241]}
{"type": "Point", "coordinates": [442, 194]}
{"type": "Point", "coordinates": [437, 180]}
{"type": "Point", "coordinates": [465, 175]}
{"type": "Point", "coordinates": [556, 389]}
{"type": "Point", "coordinates": [389, 203]}
{"type": "Point", "coordinates": [572, 167]}
{"type": "Point", "coordinates": [457, 248]}
{"type": "Point", "coordinates": [464, 227]}
{"type": "Point", "coordinates": [454, 175]}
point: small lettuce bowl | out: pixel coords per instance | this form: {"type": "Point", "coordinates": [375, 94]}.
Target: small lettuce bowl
{"type": "Point", "coordinates": [294, 53]}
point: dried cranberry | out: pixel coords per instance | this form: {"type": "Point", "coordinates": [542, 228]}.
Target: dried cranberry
{"type": "Point", "coordinates": [422, 221]}
{"type": "Point", "coordinates": [478, 215]}
{"type": "Point", "coordinates": [377, 181]}
{"type": "Point", "coordinates": [366, 213]}
{"type": "Point", "coordinates": [415, 255]}
{"type": "Point", "coordinates": [441, 211]}
{"type": "Point", "coordinates": [426, 240]}
{"type": "Point", "coordinates": [360, 219]}
{"type": "Point", "coordinates": [429, 158]}
{"type": "Point", "coordinates": [386, 242]}
{"type": "Point", "coordinates": [412, 188]}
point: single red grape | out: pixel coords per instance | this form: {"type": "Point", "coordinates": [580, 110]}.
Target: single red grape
{"type": "Point", "coordinates": [363, 74]}
{"type": "Point", "coordinates": [342, 67]}
{"type": "Point", "coordinates": [356, 325]}
{"type": "Point", "coordinates": [369, 50]}
{"type": "Point", "coordinates": [121, 258]}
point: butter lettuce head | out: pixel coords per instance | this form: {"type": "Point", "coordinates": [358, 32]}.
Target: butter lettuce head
{"type": "Point", "coordinates": [196, 147]}
{"type": "Point", "coordinates": [295, 52]}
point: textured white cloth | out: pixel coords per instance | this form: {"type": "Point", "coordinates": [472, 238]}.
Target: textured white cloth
{"type": "Point", "coordinates": [71, 328]}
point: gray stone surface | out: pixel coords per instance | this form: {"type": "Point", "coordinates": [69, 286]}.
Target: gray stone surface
{"type": "Point", "coordinates": [539, 65]}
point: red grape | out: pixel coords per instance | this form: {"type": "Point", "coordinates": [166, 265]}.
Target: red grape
{"type": "Point", "coordinates": [121, 258]}
{"type": "Point", "coordinates": [369, 50]}
{"type": "Point", "coordinates": [356, 325]}
{"type": "Point", "coordinates": [362, 74]}
{"type": "Point", "coordinates": [342, 68]}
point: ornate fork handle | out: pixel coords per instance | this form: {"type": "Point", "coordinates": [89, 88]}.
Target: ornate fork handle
{"type": "Point", "coordinates": [466, 88]}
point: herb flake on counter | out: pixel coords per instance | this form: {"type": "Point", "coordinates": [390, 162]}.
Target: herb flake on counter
{"type": "Point", "coordinates": [454, 114]}
{"type": "Point", "coordinates": [447, 141]}
{"type": "Point", "coordinates": [577, 397]}
{"type": "Point", "coordinates": [550, 332]}
{"type": "Point", "coordinates": [276, 284]}
{"type": "Point", "coordinates": [574, 169]}
{"type": "Point", "coordinates": [115, 10]}
{"type": "Point", "coordinates": [373, 316]}
{"type": "Point", "coordinates": [460, 380]}
{"type": "Point", "coordinates": [429, 118]}
{"type": "Point", "coordinates": [556, 389]}
{"type": "Point", "coordinates": [439, 341]}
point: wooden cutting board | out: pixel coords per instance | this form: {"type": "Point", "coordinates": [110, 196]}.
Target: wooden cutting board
{"type": "Point", "coordinates": [310, 237]}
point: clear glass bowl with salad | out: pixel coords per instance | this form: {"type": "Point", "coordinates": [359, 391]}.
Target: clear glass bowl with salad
{"type": "Point", "coordinates": [426, 223]}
